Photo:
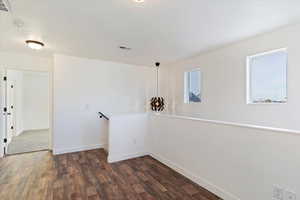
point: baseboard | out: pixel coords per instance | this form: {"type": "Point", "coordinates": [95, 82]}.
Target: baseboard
{"type": "Point", "coordinates": [1, 151]}
{"type": "Point", "coordinates": [38, 129]}
{"type": "Point", "coordinates": [31, 130]}
{"type": "Point", "coordinates": [113, 158]}
{"type": "Point", "coordinates": [77, 149]}
{"type": "Point", "coordinates": [200, 181]}
{"type": "Point", "coordinates": [19, 132]}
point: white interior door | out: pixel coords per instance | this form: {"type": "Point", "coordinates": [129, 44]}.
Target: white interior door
{"type": "Point", "coordinates": [2, 113]}
{"type": "Point", "coordinates": [10, 99]}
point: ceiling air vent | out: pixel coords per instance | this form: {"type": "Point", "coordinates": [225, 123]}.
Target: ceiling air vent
{"type": "Point", "coordinates": [4, 5]}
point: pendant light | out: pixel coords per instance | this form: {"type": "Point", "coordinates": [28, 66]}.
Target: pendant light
{"type": "Point", "coordinates": [157, 103]}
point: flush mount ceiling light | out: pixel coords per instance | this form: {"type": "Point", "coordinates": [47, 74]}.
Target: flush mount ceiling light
{"type": "Point", "coordinates": [34, 44]}
{"type": "Point", "coordinates": [124, 48]}
{"type": "Point", "coordinates": [138, 1]}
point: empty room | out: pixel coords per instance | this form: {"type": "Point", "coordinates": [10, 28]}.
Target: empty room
{"type": "Point", "coordinates": [149, 100]}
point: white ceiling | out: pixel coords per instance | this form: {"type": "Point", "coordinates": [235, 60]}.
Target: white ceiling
{"type": "Point", "coordinates": [156, 30]}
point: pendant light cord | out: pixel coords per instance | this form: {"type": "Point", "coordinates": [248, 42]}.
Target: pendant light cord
{"type": "Point", "coordinates": [157, 81]}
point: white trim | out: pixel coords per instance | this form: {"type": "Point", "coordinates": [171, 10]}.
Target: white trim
{"type": "Point", "coordinates": [117, 158]}
{"type": "Point", "coordinates": [38, 129]}
{"type": "Point", "coordinates": [268, 52]}
{"type": "Point", "coordinates": [291, 131]}
{"type": "Point", "coordinates": [186, 87]}
{"type": "Point", "coordinates": [33, 130]}
{"type": "Point", "coordinates": [187, 83]}
{"type": "Point", "coordinates": [272, 103]}
{"type": "Point", "coordinates": [77, 149]}
{"type": "Point", "coordinates": [2, 117]}
{"type": "Point", "coordinates": [200, 181]}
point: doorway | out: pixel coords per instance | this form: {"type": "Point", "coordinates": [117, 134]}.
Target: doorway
{"type": "Point", "coordinates": [27, 111]}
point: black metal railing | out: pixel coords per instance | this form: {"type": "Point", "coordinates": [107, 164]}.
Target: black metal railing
{"type": "Point", "coordinates": [101, 115]}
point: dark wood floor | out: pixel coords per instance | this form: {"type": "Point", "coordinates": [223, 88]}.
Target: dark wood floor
{"type": "Point", "coordinates": [87, 175]}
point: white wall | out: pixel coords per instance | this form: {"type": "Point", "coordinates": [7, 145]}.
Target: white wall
{"type": "Point", "coordinates": [82, 87]}
{"type": "Point", "coordinates": [233, 162]}
{"type": "Point", "coordinates": [228, 160]}
{"type": "Point", "coordinates": [224, 82]}
{"type": "Point", "coordinates": [127, 136]}
{"type": "Point", "coordinates": [14, 60]}
{"type": "Point", "coordinates": [35, 100]}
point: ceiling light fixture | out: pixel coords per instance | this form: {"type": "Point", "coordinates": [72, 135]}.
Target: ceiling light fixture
{"type": "Point", "coordinates": [139, 1]}
{"type": "Point", "coordinates": [124, 48]}
{"type": "Point", "coordinates": [157, 103]}
{"type": "Point", "coordinates": [34, 44]}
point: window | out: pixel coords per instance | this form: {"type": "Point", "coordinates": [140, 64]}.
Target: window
{"type": "Point", "coordinates": [192, 86]}
{"type": "Point", "coordinates": [267, 77]}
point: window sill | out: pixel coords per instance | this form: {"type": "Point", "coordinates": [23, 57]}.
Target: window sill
{"type": "Point", "coordinates": [249, 103]}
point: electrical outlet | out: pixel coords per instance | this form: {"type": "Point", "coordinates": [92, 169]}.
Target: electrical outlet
{"type": "Point", "coordinates": [288, 195]}
{"type": "Point", "coordinates": [277, 193]}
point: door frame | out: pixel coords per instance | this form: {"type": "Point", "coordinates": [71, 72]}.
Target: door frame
{"type": "Point", "coordinates": [10, 114]}
{"type": "Point", "coordinates": [3, 116]}
{"type": "Point", "coordinates": [50, 91]}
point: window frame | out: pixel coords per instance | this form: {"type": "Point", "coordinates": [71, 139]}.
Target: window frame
{"type": "Point", "coordinates": [186, 99]}
{"type": "Point", "coordinates": [249, 101]}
